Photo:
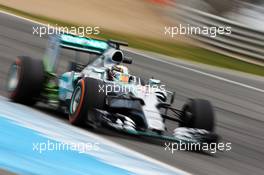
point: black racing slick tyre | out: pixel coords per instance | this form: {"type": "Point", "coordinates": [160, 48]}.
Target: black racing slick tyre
{"type": "Point", "coordinates": [198, 113]}
{"type": "Point", "coordinates": [86, 97]}
{"type": "Point", "coordinates": [25, 80]}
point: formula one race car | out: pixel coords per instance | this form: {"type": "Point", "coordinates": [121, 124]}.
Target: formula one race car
{"type": "Point", "coordinates": [104, 93]}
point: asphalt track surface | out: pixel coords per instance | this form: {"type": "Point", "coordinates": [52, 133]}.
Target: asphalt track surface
{"type": "Point", "coordinates": [239, 109]}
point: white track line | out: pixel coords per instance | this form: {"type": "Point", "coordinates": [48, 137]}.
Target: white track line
{"type": "Point", "coordinates": [164, 61]}
{"type": "Point", "coordinates": [43, 118]}
{"type": "Point", "coordinates": [200, 72]}
{"type": "Point", "coordinates": [23, 18]}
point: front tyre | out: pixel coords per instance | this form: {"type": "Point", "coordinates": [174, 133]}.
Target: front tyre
{"type": "Point", "coordinates": [87, 96]}
{"type": "Point", "coordinates": [198, 113]}
{"type": "Point", "coordinates": [25, 80]}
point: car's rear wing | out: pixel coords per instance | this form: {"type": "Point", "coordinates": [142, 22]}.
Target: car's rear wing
{"type": "Point", "coordinates": [83, 44]}
{"type": "Point", "coordinates": [116, 44]}
{"type": "Point", "coordinates": [77, 43]}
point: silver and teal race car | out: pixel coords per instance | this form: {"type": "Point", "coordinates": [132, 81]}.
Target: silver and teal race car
{"type": "Point", "coordinates": [103, 93]}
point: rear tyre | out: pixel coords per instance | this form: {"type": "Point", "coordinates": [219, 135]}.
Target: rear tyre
{"type": "Point", "coordinates": [25, 80]}
{"type": "Point", "coordinates": [198, 113]}
{"type": "Point", "coordinates": [86, 97]}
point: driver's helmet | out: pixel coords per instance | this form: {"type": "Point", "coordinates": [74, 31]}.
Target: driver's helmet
{"type": "Point", "coordinates": [119, 73]}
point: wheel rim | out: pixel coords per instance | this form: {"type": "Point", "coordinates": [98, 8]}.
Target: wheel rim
{"type": "Point", "coordinates": [188, 113]}
{"type": "Point", "coordinates": [187, 117]}
{"type": "Point", "coordinates": [13, 78]}
{"type": "Point", "coordinates": [75, 100]}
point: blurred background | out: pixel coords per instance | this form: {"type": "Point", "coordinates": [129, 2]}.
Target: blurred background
{"type": "Point", "coordinates": [246, 17]}
{"type": "Point", "coordinates": [142, 23]}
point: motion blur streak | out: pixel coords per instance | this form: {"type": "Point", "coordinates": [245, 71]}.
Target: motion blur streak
{"type": "Point", "coordinates": [33, 126]}
{"type": "Point", "coordinates": [239, 110]}
{"type": "Point", "coordinates": [204, 73]}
